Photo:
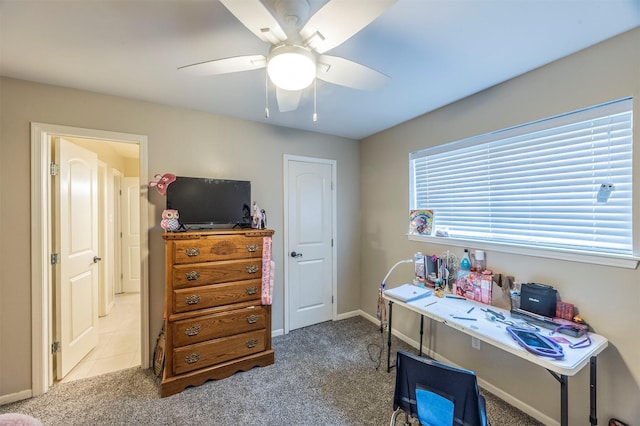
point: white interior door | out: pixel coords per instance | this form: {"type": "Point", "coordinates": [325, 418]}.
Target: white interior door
{"type": "Point", "coordinates": [310, 230]}
{"type": "Point", "coordinates": [130, 234]}
{"type": "Point", "coordinates": [76, 291]}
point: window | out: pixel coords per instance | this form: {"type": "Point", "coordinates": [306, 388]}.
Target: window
{"type": "Point", "coordinates": [561, 183]}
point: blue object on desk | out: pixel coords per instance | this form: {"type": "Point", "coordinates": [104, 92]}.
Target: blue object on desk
{"type": "Point", "coordinates": [494, 313]}
{"type": "Point", "coordinates": [536, 343]}
{"type": "Point", "coordinates": [449, 296]}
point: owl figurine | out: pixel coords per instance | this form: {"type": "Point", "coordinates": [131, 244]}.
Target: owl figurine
{"type": "Point", "coordinates": [170, 220]}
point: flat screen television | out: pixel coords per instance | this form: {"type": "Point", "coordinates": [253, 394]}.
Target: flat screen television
{"type": "Point", "coordinates": [204, 203]}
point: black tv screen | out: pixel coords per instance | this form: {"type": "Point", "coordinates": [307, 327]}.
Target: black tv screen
{"type": "Point", "coordinates": [204, 203]}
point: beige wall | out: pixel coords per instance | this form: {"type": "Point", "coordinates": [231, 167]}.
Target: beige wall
{"type": "Point", "coordinates": [183, 142]}
{"type": "Point", "coordinates": [107, 154]}
{"type": "Point", "coordinates": [608, 298]}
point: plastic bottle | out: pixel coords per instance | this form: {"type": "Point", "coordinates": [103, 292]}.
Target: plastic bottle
{"type": "Point", "coordinates": [465, 263]}
{"type": "Point", "coordinates": [515, 296]}
{"type": "Point", "coordinates": [480, 263]}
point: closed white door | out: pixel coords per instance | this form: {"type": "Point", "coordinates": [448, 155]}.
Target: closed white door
{"type": "Point", "coordinates": [309, 235]}
{"type": "Point", "coordinates": [130, 234]}
{"type": "Point", "coordinates": [76, 292]}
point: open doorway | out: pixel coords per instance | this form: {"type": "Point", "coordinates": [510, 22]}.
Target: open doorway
{"type": "Point", "coordinates": [115, 320]}
{"type": "Point", "coordinates": [44, 328]}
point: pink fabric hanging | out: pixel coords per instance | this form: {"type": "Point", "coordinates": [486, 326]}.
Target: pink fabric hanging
{"type": "Point", "coordinates": [268, 267]}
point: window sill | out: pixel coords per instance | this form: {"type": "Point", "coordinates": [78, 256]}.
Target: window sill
{"type": "Point", "coordinates": [627, 262]}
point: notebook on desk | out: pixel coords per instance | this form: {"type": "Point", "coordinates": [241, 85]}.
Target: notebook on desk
{"type": "Point", "coordinates": [408, 292]}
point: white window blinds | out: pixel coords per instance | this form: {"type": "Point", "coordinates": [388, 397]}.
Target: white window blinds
{"type": "Point", "coordinates": [536, 184]}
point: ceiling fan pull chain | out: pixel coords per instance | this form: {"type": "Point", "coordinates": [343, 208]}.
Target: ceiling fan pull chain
{"type": "Point", "coordinates": [266, 95]}
{"type": "Point", "coordinates": [315, 106]}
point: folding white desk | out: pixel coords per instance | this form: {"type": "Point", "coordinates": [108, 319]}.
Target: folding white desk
{"type": "Point", "coordinates": [494, 333]}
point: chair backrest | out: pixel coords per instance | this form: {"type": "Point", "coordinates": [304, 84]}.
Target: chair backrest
{"type": "Point", "coordinates": [454, 383]}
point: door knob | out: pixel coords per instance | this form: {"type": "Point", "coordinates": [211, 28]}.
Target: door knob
{"type": "Point", "coordinates": [96, 259]}
{"type": "Point", "coordinates": [294, 254]}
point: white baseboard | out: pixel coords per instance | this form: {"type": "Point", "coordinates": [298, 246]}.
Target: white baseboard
{"type": "Point", "coordinates": [278, 332]}
{"type": "Point", "coordinates": [349, 315]}
{"type": "Point", "coordinates": [541, 417]}
{"type": "Point", "coordinates": [13, 397]}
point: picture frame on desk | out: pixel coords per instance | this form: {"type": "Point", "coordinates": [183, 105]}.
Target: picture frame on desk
{"type": "Point", "coordinates": [420, 222]}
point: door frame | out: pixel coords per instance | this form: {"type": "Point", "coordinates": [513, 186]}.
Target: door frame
{"type": "Point", "coordinates": [117, 229]}
{"type": "Point", "coordinates": [103, 266]}
{"type": "Point", "coordinates": [334, 273]}
{"type": "Point", "coordinates": [41, 228]}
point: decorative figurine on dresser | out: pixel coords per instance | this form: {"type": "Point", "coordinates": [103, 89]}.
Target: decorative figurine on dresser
{"type": "Point", "coordinates": [218, 304]}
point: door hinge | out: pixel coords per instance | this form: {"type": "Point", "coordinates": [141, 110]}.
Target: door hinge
{"type": "Point", "coordinates": [332, 299]}
{"type": "Point", "coordinates": [332, 242]}
{"type": "Point", "coordinates": [55, 347]}
{"type": "Point", "coordinates": [55, 258]}
{"type": "Point", "coordinates": [54, 169]}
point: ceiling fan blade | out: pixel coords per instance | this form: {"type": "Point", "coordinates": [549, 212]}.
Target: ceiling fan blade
{"type": "Point", "coordinates": [226, 65]}
{"type": "Point", "coordinates": [257, 18]}
{"type": "Point", "coordinates": [344, 72]}
{"type": "Point", "coordinates": [338, 20]}
{"type": "Point", "coordinates": [288, 100]}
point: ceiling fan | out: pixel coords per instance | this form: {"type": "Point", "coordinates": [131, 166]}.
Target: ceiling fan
{"type": "Point", "coordinates": [296, 57]}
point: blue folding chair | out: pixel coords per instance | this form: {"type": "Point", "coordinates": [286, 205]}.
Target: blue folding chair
{"type": "Point", "coordinates": [436, 394]}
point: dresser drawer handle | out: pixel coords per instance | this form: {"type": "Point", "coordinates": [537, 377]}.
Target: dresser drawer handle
{"type": "Point", "coordinates": [194, 357]}
{"type": "Point", "coordinates": [252, 319]}
{"type": "Point", "coordinates": [192, 300]}
{"type": "Point", "coordinates": [251, 248]}
{"type": "Point", "coordinates": [192, 331]}
{"type": "Point", "coordinates": [192, 251]}
{"type": "Point", "coordinates": [251, 290]}
{"type": "Point", "coordinates": [251, 269]}
{"type": "Point", "coordinates": [252, 343]}
{"type": "Point", "coordinates": [192, 276]}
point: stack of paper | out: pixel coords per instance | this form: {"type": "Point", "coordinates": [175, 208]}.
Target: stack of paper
{"type": "Point", "coordinates": [408, 292]}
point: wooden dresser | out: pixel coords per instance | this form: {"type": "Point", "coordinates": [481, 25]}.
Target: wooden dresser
{"type": "Point", "coordinates": [215, 323]}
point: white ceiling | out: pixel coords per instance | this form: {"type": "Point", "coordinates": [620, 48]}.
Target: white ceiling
{"type": "Point", "coordinates": [435, 51]}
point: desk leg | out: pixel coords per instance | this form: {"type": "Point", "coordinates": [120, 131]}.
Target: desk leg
{"type": "Point", "coordinates": [564, 400]}
{"type": "Point", "coordinates": [564, 397]}
{"type": "Point", "coordinates": [593, 418]}
{"type": "Point", "coordinates": [421, 333]}
{"type": "Point", "coordinates": [389, 337]}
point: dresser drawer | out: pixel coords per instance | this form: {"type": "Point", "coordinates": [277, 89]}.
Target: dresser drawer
{"type": "Point", "coordinates": [216, 272]}
{"type": "Point", "coordinates": [218, 247]}
{"type": "Point", "coordinates": [195, 330]}
{"type": "Point", "coordinates": [208, 296]}
{"type": "Point", "coordinates": [199, 355]}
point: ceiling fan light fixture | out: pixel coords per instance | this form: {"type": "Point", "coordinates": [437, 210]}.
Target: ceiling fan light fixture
{"type": "Point", "coordinates": [291, 67]}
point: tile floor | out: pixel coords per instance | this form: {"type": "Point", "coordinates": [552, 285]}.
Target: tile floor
{"type": "Point", "coordinates": [119, 341]}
